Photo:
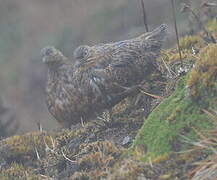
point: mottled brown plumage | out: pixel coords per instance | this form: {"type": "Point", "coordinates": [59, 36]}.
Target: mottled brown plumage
{"type": "Point", "coordinates": [99, 76]}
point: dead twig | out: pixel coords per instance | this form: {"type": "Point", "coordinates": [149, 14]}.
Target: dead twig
{"type": "Point", "coordinates": [67, 157]}
{"type": "Point", "coordinates": [37, 154]}
{"type": "Point", "coordinates": [151, 95]}
{"type": "Point", "coordinates": [210, 114]}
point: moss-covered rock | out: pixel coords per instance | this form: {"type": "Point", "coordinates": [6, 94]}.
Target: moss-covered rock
{"type": "Point", "coordinates": [190, 45]}
{"type": "Point", "coordinates": [187, 42]}
{"type": "Point", "coordinates": [96, 158]}
{"type": "Point", "coordinates": [128, 169]}
{"type": "Point", "coordinates": [22, 149]}
{"type": "Point", "coordinates": [181, 113]}
{"type": "Point", "coordinates": [203, 79]}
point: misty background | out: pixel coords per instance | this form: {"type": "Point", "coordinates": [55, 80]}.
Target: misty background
{"type": "Point", "coordinates": [26, 26]}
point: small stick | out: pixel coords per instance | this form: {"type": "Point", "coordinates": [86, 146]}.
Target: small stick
{"type": "Point", "coordinates": [151, 95]}
{"type": "Point", "coordinates": [176, 29]}
{"type": "Point", "coordinates": [37, 154]}
{"type": "Point", "coordinates": [144, 16]}
{"type": "Point", "coordinates": [67, 157]}
{"type": "Point", "coordinates": [208, 4]}
{"type": "Point", "coordinates": [39, 126]}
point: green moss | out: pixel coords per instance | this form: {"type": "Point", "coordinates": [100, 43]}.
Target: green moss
{"type": "Point", "coordinates": [186, 44]}
{"type": "Point", "coordinates": [212, 25]}
{"type": "Point", "coordinates": [102, 153]}
{"type": "Point", "coordinates": [175, 116]}
{"type": "Point", "coordinates": [172, 55]}
{"type": "Point", "coordinates": [127, 169]}
{"type": "Point", "coordinates": [203, 79]}
{"type": "Point", "coordinates": [182, 112]}
{"type": "Point", "coordinates": [65, 136]}
{"type": "Point", "coordinates": [96, 158]}
{"type": "Point", "coordinates": [23, 148]}
{"type": "Point", "coordinates": [189, 41]}
{"type": "Point", "coordinates": [16, 172]}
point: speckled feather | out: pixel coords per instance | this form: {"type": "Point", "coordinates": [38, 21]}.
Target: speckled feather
{"type": "Point", "coordinates": [92, 82]}
{"type": "Point", "coordinates": [125, 63]}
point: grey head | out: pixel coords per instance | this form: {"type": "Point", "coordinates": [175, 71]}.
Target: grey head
{"type": "Point", "coordinates": [82, 55]}
{"type": "Point", "coordinates": [82, 52]}
{"type": "Point", "coordinates": [52, 56]}
{"type": "Point", "coordinates": [160, 33]}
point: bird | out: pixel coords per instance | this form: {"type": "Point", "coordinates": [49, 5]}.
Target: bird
{"type": "Point", "coordinates": [98, 77]}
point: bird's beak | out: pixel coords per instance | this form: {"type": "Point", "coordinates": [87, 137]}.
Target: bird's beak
{"type": "Point", "coordinates": [45, 59]}
{"type": "Point", "coordinates": [80, 63]}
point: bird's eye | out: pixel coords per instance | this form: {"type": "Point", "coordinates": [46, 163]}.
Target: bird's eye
{"type": "Point", "coordinates": [85, 53]}
{"type": "Point", "coordinates": [50, 51]}
{"type": "Point", "coordinates": [81, 52]}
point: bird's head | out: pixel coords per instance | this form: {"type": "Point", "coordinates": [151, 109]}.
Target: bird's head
{"type": "Point", "coordinates": [52, 56]}
{"type": "Point", "coordinates": [82, 53]}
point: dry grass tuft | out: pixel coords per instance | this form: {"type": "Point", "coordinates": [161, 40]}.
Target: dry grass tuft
{"type": "Point", "coordinates": [207, 168]}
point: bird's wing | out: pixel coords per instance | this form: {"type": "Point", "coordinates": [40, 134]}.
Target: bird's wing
{"type": "Point", "coordinates": [146, 44]}
{"type": "Point", "coordinates": [120, 72]}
